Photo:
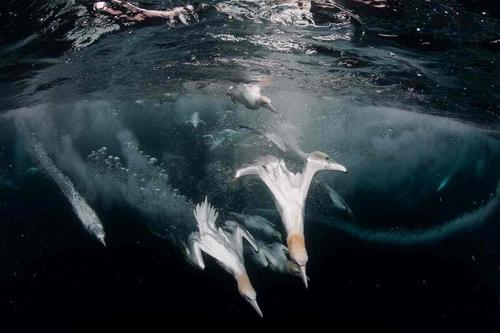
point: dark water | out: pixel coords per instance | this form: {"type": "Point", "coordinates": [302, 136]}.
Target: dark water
{"type": "Point", "coordinates": [408, 102]}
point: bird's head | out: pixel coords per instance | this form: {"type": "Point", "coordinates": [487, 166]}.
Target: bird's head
{"type": "Point", "coordinates": [265, 102]}
{"type": "Point", "coordinates": [230, 91]}
{"type": "Point", "coordinates": [321, 161]}
{"type": "Point", "coordinates": [100, 6]}
{"type": "Point", "coordinates": [247, 292]}
{"type": "Point", "coordinates": [298, 253]}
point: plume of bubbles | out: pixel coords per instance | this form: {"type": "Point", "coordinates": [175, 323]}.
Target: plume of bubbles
{"type": "Point", "coordinates": [141, 182]}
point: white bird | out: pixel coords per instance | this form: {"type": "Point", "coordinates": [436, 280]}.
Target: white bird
{"type": "Point", "coordinates": [249, 95]}
{"type": "Point", "coordinates": [195, 120]}
{"type": "Point", "coordinates": [289, 191]}
{"type": "Point", "coordinates": [226, 247]}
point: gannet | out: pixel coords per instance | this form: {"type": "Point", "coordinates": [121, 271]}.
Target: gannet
{"type": "Point", "coordinates": [226, 136]}
{"type": "Point", "coordinates": [195, 120]}
{"type": "Point", "coordinates": [289, 191]}
{"type": "Point", "coordinates": [274, 257]}
{"type": "Point", "coordinates": [259, 224]}
{"type": "Point", "coordinates": [286, 143]}
{"type": "Point", "coordinates": [337, 200]}
{"type": "Point", "coordinates": [249, 95]}
{"type": "Point", "coordinates": [226, 247]}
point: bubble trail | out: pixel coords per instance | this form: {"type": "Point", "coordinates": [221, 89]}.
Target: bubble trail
{"type": "Point", "coordinates": [85, 213]}
{"type": "Point", "coordinates": [425, 235]}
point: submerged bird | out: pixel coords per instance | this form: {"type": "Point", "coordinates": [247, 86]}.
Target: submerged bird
{"type": "Point", "coordinates": [195, 120]}
{"type": "Point", "coordinates": [337, 200]}
{"type": "Point", "coordinates": [259, 224]}
{"type": "Point", "coordinates": [32, 171]}
{"type": "Point", "coordinates": [249, 95]}
{"type": "Point", "coordinates": [224, 246]}
{"type": "Point", "coordinates": [85, 213]}
{"type": "Point", "coordinates": [274, 257]}
{"type": "Point", "coordinates": [289, 192]}
{"type": "Point", "coordinates": [443, 183]}
{"type": "Point", "coordinates": [226, 136]}
{"type": "Point", "coordinates": [286, 143]}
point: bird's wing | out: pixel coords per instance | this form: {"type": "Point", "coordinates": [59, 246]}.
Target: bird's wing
{"type": "Point", "coordinates": [279, 247]}
{"type": "Point", "coordinates": [239, 233]}
{"type": "Point", "coordinates": [194, 251]}
{"type": "Point", "coordinates": [249, 170]}
{"type": "Point", "coordinates": [205, 215]}
{"type": "Point", "coordinates": [271, 171]}
{"type": "Point", "coordinates": [249, 238]}
{"type": "Point", "coordinates": [260, 258]}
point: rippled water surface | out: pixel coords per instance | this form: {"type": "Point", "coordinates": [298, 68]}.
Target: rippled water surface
{"type": "Point", "coordinates": [407, 98]}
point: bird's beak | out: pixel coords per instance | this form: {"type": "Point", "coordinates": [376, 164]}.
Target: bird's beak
{"type": "Point", "coordinates": [232, 97]}
{"type": "Point", "coordinates": [254, 305]}
{"type": "Point", "coordinates": [304, 275]}
{"type": "Point", "coordinates": [337, 167]}
{"type": "Point", "coordinates": [101, 239]}
{"type": "Point", "coordinates": [270, 107]}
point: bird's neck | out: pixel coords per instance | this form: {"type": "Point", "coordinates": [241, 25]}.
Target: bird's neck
{"type": "Point", "coordinates": [307, 176]}
{"type": "Point", "coordinates": [297, 248]}
{"type": "Point", "coordinates": [293, 218]}
{"type": "Point", "coordinates": [243, 281]}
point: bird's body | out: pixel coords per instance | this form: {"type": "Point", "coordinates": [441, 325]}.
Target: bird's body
{"type": "Point", "coordinates": [337, 200]}
{"type": "Point", "coordinates": [259, 224]}
{"type": "Point", "coordinates": [225, 246]}
{"type": "Point", "coordinates": [218, 246]}
{"type": "Point", "coordinates": [195, 120]}
{"type": "Point", "coordinates": [289, 191]}
{"type": "Point", "coordinates": [274, 256]}
{"type": "Point", "coordinates": [250, 96]}
{"type": "Point", "coordinates": [287, 143]}
{"type": "Point", "coordinates": [225, 137]}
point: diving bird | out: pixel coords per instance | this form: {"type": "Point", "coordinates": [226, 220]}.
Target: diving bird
{"type": "Point", "coordinates": [286, 143]}
{"type": "Point", "coordinates": [225, 246]}
{"type": "Point", "coordinates": [85, 213]}
{"type": "Point", "coordinates": [289, 191]}
{"type": "Point", "coordinates": [337, 200]}
{"type": "Point", "coordinates": [195, 120]}
{"type": "Point", "coordinates": [225, 137]}
{"type": "Point", "coordinates": [274, 257]}
{"type": "Point", "coordinates": [249, 95]}
{"type": "Point", "coordinates": [259, 224]}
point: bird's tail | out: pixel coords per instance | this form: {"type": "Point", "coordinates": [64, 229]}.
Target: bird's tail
{"type": "Point", "coordinates": [205, 215]}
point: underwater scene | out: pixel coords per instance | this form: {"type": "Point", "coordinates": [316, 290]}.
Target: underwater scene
{"type": "Point", "coordinates": [270, 162]}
